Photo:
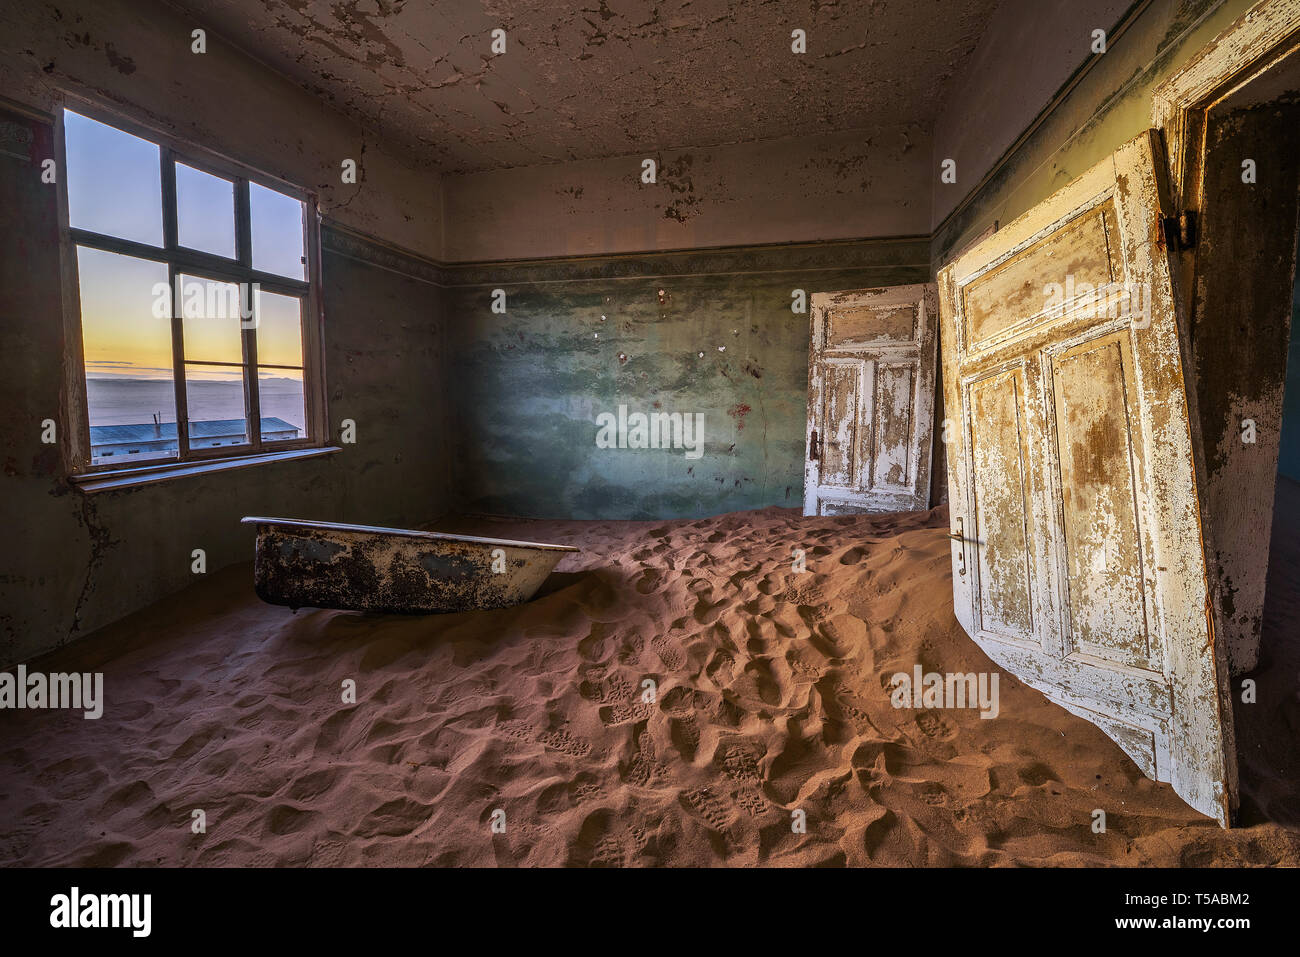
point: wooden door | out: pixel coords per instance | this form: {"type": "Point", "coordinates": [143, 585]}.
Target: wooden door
{"type": "Point", "coordinates": [1078, 562]}
{"type": "Point", "coordinates": [871, 360]}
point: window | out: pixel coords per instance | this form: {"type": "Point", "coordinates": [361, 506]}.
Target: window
{"type": "Point", "coordinates": [197, 291]}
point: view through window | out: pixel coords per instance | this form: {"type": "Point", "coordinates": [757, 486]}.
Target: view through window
{"type": "Point", "coordinates": [193, 287]}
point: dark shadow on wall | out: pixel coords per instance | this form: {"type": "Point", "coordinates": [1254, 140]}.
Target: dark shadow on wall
{"type": "Point", "coordinates": [1288, 463]}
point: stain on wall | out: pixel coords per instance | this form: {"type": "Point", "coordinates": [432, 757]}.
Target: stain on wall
{"type": "Point", "coordinates": [829, 186]}
{"type": "Point", "coordinates": [707, 333]}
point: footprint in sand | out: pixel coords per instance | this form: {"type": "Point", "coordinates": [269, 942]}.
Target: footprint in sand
{"type": "Point", "coordinates": [612, 716]}
{"type": "Point", "coordinates": [630, 651]}
{"type": "Point", "coordinates": [935, 725]}
{"type": "Point", "coordinates": [683, 706]}
{"type": "Point", "coordinates": [804, 669]}
{"type": "Point", "coordinates": [643, 768]}
{"type": "Point", "coordinates": [135, 793]}
{"type": "Point", "coordinates": [603, 841]}
{"type": "Point", "coordinates": [753, 802]}
{"type": "Point", "coordinates": [592, 647]}
{"type": "Point", "coordinates": [606, 690]}
{"type": "Point", "coordinates": [717, 812]}
{"type": "Point", "coordinates": [740, 762]}
{"type": "Point", "coordinates": [585, 787]}
{"type": "Point", "coordinates": [768, 681]}
{"type": "Point", "coordinates": [312, 785]}
{"type": "Point", "coordinates": [669, 652]}
{"type": "Point", "coordinates": [557, 740]}
{"type": "Point", "coordinates": [565, 743]}
{"type": "Point", "coordinates": [720, 668]}
{"type": "Point", "coordinates": [684, 733]}
{"type": "Point", "coordinates": [649, 580]}
{"type": "Point", "coordinates": [853, 556]}
{"type": "Point", "coordinates": [807, 595]}
{"type": "Point", "coordinates": [739, 579]}
{"type": "Point", "coordinates": [285, 819]}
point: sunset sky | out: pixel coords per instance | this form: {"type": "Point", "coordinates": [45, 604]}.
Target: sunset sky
{"type": "Point", "coordinates": [114, 187]}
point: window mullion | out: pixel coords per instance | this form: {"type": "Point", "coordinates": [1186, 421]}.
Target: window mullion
{"type": "Point", "coordinates": [167, 177]}
{"type": "Point", "coordinates": [252, 397]}
{"type": "Point", "coordinates": [168, 173]}
{"type": "Point", "coordinates": [178, 370]}
{"type": "Point", "coordinates": [248, 300]}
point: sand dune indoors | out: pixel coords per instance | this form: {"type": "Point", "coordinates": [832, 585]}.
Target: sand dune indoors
{"type": "Point", "coordinates": [772, 697]}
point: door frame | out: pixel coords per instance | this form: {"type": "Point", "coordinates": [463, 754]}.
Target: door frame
{"type": "Point", "coordinates": [1255, 43]}
{"type": "Point", "coordinates": [1265, 38]}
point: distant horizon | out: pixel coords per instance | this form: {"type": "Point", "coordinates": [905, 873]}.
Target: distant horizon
{"type": "Point", "coordinates": [129, 399]}
{"type": "Point", "coordinates": [124, 377]}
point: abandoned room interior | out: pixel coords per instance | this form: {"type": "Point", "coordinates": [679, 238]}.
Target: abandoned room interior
{"type": "Point", "coordinates": [632, 434]}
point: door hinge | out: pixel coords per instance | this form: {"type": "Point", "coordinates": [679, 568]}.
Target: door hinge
{"type": "Point", "coordinates": [1180, 230]}
{"type": "Point", "coordinates": [813, 454]}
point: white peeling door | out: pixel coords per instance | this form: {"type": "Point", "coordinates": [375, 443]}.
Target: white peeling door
{"type": "Point", "coordinates": [871, 360]}
{"type": "Point", "coordinates": [1078, 562]}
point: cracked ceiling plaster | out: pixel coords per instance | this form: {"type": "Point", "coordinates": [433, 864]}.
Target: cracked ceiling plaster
{"type": "Point", "coordinates": [588, 79]}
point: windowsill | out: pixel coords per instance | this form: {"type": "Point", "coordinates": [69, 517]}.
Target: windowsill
{"type": "Point", "coordinates": [150, 474]}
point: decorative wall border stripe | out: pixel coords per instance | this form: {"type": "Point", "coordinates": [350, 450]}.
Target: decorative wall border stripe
{"type": "Point", "coordinates": [893, 253]}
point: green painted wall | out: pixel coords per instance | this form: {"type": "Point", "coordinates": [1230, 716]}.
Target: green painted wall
{"type": "Point", "coordinates": [528, 385]}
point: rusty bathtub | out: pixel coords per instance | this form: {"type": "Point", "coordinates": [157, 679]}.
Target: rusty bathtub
{"type": "Point", "coordinates": [367, 568]}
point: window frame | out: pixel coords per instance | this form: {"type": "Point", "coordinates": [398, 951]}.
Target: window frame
{"type": "Point", "coordinates": [183, 260]}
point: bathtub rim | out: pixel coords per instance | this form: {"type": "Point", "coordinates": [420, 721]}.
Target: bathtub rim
{"type": "Point", "coordinates": [291, 523]}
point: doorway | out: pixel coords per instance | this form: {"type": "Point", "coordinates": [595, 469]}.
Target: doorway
{"type": "Point", "coordinates": [1231, 119]}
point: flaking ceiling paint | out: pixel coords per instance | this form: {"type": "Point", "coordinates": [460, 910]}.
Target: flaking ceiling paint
{"type": "Point", "coordinates": [608, 78]}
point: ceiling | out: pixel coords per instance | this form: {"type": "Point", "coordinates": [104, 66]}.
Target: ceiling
{"type": "Point", "coordinates": [595, 78]}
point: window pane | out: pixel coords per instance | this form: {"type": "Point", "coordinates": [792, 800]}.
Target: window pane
{"type": "Point", "coordinates": [284, 413]}
{"type": "Point", "coordinates": [279, 330]}
{"type": "Point", "coordinates": [205, 211]}
{"type": "Point", "coordinates": [127, 340]}
{"type": "Point", "coordinates": [217, 414]}
{"type": "Point", "coordinates": [114, 185]}
{"type": "Point", "coordinates": [211, 311]}
{"type": "Point", "coordinates": [277, 226]}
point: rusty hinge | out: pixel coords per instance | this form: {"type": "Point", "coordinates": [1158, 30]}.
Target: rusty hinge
{"type": "Point", "coordinates": [813, 453]}
{"type": "Point", "coordinates": [1180, 230]}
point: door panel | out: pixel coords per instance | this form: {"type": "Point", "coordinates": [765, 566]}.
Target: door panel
{"type": "Point", "coordinates": [894, 398]}
{"type": "Point", "coordinates": [871, 365]}
{"type": "Point", "coordinates": [1078, 563]}
{"type": "Point", "coordinates": [1001, 495]}
{"type": "Point", "coordinates": [1106, 598]}
{"type": "Point", "coordinates": [842, 422]}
